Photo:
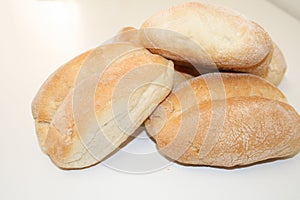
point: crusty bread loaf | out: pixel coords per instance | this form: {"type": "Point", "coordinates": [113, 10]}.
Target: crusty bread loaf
{"type": "Point", "coordinates": [272, 67]}
{"type": "Point", "coordinates": [224, 37]}
{"type": "Point", "coordinates": [55, 89]}
{"type": "Point", "coordinates": [200, 35]}
{"type": "Point", "coordinates": [108, 104]}
{"type": "Point", "coordinates": [225, 120]}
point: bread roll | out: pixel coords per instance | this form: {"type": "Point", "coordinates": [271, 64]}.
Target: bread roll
{"type": "Point", "coordinates": [109, 100]}
{"type": "Point", "coordinates": [195, 47]}
{"type": "Point", "coordinates": [203, 34]}
{"type": "Point", "coordinates": [225, 120]}
{"type": "Point", "coordinates": [55, 89]}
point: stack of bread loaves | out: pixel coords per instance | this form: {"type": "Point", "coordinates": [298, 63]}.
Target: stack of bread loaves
{"type": "Point", "coordinates": [200, 76]}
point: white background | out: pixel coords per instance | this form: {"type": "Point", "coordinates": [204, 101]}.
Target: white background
{"type": "Point", "coordinates": [38, 36]}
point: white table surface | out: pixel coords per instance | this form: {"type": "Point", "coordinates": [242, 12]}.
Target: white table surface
{"type": "Point", "coordinates": [39, 36]}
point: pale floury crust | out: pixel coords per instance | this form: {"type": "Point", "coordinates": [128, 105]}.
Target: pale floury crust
{"type": "Point", "coordinates": [250, 122]}
{"type": "Point", "coordinates": [272, 68]}
{"type": "Point", "coordinates": [230, 39]}
{"type": "Point", "coordinates": [261, 56]}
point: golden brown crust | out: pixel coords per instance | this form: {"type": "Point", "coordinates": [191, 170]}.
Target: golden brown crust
{"type": "Point", "coordinates": [52, 93]}
{"type": "Point", "coordinates": [56, 88]}
{"type": "Point", "coordinates": [254, 129]}
{"type": "Point", "coordinates": [89, 124]}
{"type": "Point", "coordinates": [214, 86]}
{"type": "Point", "coordinates": [218, 86]}
{"type": "Point", "coordinates": [250, 123]}
{"type": "Point", "coordinates": [229, 39]}
{"type": "Point", "coordinates": [128, 34]}
{"type": "Point", "coordinates": [63, 140]}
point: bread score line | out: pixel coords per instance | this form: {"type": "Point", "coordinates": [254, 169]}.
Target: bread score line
{"type": "Point", "coordinates": [93, 110]}
{"type": "Point", "coordinates": [246, 122]}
